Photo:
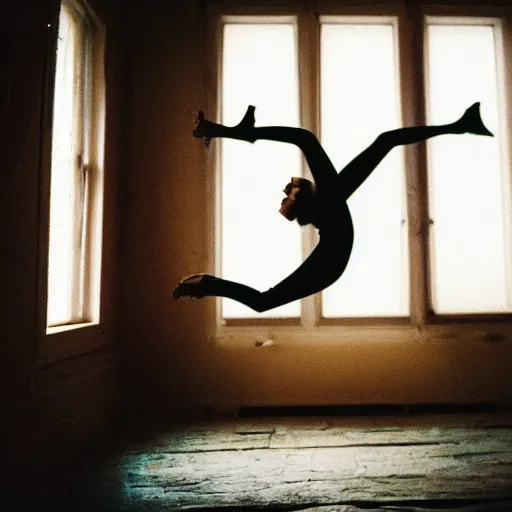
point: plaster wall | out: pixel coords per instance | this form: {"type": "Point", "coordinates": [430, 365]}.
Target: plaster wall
{"type": "Point", "coordinates": [171, 359]}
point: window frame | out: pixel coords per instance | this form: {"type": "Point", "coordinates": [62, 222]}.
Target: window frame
{"type": "Point", "coordinates": [497, 24]}
{"type": "Point", "coordinates": [422, 324]}
{"type": "Point", "coordinates": [57, 341]}
{"type": "Point", "coordinates": [81, 124]}
{"type": "Point", "coordinates": [306, 245]}
{"type": "Point", "coordinates": [361, 19]}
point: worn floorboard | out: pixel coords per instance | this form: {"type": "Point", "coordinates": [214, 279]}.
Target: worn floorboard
{"type": "Point", "coordinates": [314, 465]}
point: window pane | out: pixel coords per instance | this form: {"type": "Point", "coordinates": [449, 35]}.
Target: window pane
{"type": "Point", "coordinates": [469, 186]}
{"type": "Point", "coordinates": [359, 101]}
{"type": "Point", "coordinates": [259, 246]}
{"type": "Point", "coordinates": [66, 116]}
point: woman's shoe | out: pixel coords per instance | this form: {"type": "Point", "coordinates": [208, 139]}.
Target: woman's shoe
{"type": "Point", "coordinates": [200, 128]}
{"type": "Point", "coordinates": [471, 121]}
{"type": "Point", "coordinates": [248, 120]}
{"type": "Point", "coordinates": [207, 130]}
{"type": "Point", "coordinates": [194, 286]}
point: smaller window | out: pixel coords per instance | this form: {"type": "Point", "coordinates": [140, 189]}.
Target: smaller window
{"type": "Point", "coordinates": [74, 188]}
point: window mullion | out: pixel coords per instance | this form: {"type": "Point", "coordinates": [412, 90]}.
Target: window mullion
{"type": "Point", "coordinates": [86, 235]}
{"type": "Point", "coordinates": [504, 48]}
{"type": "Point", "coordinates": [79, 184]}
{"type": "Point", "coordinates": [411, 64]}
{"type": "Point", "coordinates": [308, 58]}
{"type": "Point", "coordinates": [213, 75]}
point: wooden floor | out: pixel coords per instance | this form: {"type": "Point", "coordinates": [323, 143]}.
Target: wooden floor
{"type": "Point", "coordinates": [332, 464]}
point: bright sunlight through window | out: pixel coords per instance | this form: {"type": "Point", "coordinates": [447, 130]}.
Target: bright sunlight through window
{"type": "Point", "coordinates": [469, 247]}
{"type": "Point", "coordinates": [360, 99]}
{"type": "Point", "coordinates": [259, 246]}
{"type": "Point", "coordinates": [468, 181]}
{"type": "Point", "coordinates": [72, 190]}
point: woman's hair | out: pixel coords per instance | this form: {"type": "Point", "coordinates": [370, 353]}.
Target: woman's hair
{"type": "Point", "coordinates": [303, 208]}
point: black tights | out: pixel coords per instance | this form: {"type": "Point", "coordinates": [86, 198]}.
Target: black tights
{"type": "Point", "coordinates": [328, 260]}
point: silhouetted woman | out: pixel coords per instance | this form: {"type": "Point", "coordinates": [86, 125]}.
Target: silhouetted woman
{"type": "Point", "coordinates": [323, 204]}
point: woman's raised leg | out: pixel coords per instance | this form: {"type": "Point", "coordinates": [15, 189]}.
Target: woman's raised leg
{"type": "Point", "coordinates": [354, 174]}
{"type": "Point", "coordinates": [317, 159]}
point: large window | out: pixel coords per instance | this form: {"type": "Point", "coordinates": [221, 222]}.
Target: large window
{"type": "Point", "coordinates": [443, 246]}
{"type": "Point", "coordinates": [75, 190]}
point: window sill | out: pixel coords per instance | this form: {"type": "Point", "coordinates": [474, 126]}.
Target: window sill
{"type": "Point", "coordinates": [69, 327]}
{"type": "Point", "coordinates": [65, 341]}
{"type": "Point", "coordinates": [293, 336]}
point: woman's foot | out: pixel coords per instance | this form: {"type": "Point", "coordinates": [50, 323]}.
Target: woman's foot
{"type": "Point", "coordinates": [194, 286]}
{"type": "Point", "coordinates": [200, 128]}
{"type": "Point", "coordinates": [471, 122]}
{"type": "Point", "coordinates": [248, 120]}
{"type": "Point", "coordinates": [207, 130]}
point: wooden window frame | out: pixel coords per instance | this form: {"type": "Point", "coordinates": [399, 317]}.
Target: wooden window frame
{"type": "Point", "coordinates": [71, 338]}
{"type": "Point", "coordinates": [422, 324]}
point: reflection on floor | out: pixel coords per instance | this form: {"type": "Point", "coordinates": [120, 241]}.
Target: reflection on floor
{"type": "Point", "coordinates": [330, 464]}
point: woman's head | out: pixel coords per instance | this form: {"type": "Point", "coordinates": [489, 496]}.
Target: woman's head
{"type": "Point", "coordinates": [299, 201]}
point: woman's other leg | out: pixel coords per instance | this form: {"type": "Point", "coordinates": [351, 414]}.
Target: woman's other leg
{"type": "Point", "coordinates": [356, 172]}
{"type": "Point", "coordinates": [321, 269]}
